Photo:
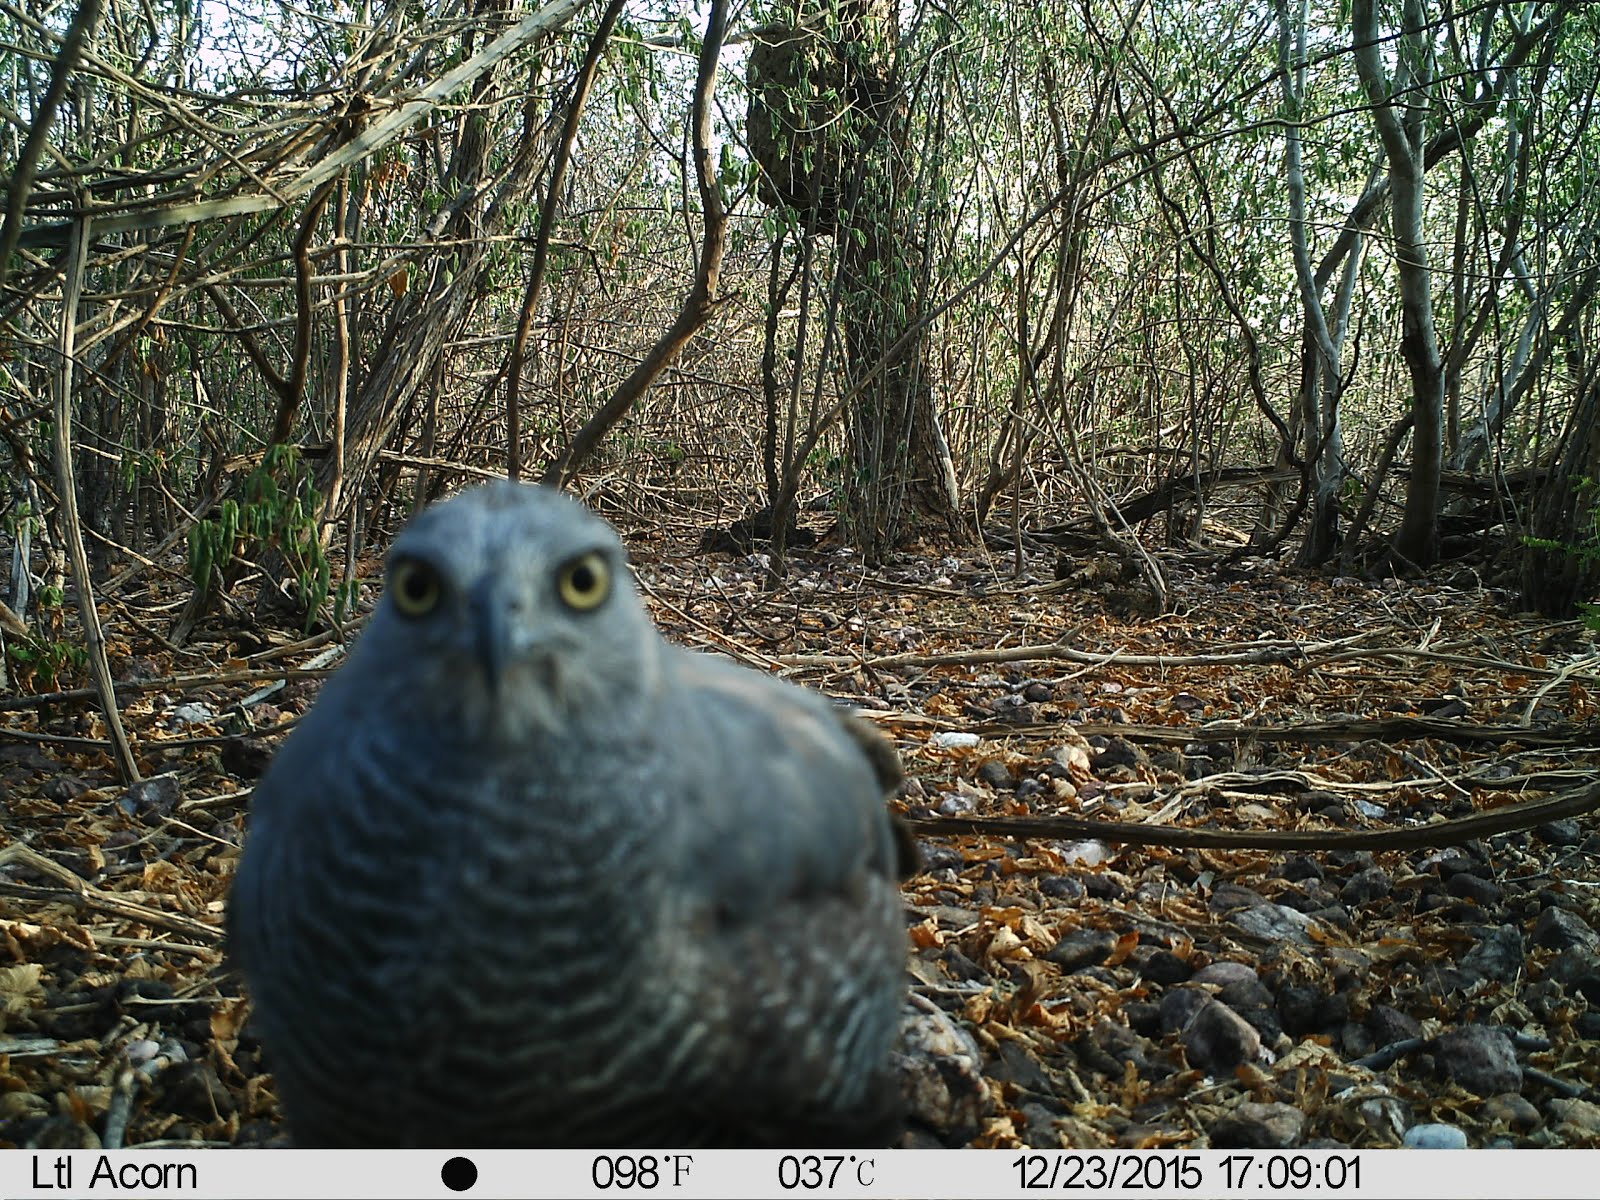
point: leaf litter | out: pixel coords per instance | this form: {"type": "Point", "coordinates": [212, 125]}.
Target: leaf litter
{"type": "Point", "coordinates": [1112, 993]}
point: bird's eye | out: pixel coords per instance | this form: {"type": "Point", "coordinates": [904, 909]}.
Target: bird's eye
{"type": "Point", "coordinates": [585, 582]}
{"type": "Point", "coordinates": [415, 587]}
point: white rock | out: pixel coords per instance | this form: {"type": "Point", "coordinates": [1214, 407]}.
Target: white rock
{"type": "Point", "coordinates": [1434, 1137]}
{"type": "Point", "coordinates": [1089, 853]}
{"type": "Point", "coordinates": [193, 713]}
{"type": "Point", "coordinates": [1277, 923]}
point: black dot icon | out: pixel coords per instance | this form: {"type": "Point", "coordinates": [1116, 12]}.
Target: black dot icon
{"type": "Point", "coordinates": [459, 1174]}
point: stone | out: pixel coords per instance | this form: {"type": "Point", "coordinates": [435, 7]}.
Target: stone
{"type": "Point", "coordinates": [1434, 1137]}
{"type": "Point", "coordinates": [1216, 1039]}
{"type": "Point", "coordinates": [1082, 948]}
{"type": "Point", "coordinates": [1479, 1058]}
{"type": "Point", "coordinates": [1253, 1126]}
{"type": "Point", "coordinates": [1366, 886]}
{"type": "Point", "coordinates": [1558, 929]}
{"type": "Point", "coordinates": [1512, 1111]}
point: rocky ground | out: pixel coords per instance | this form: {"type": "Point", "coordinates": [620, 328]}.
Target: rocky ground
{"type": "Point", "coordinates": [1072, 990]}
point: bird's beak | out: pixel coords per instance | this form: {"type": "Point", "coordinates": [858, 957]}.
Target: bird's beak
{"type": "Point", "coordinates": [495, 633]}
{"type": "Point", "coordinates": [518, 657]}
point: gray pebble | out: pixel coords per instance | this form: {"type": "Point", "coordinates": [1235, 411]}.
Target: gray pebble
{"type": "Point", "coordinates": [1062, 887]}
{"type": "Point", "coordinates": [1277, 923]}
{"type": "Point", "coordinates": [1163, 967]}
{"type": "Point", "coordinates": [1366, 886]}
{"type": "Point", "coordinates": [1389, 1025]}
{"type": "Point", "coordinates": [1355, 1040]}
{"type": "Point", "coordinates": [1578, 971]}
{"type": "Point", "coordinates": [1117, 752]}
{"type": "Point", "coordinates": [192, 713]}
{"type": "Point", "coordinates": [156, 796]}
{"type": "Point", "coordinates": [1384, 1114]}
{"type": "Point", "coordinates": [1217, 1039]}
{"type": "Point", "coordinates": [1299, 1009]}
{"type": "Point", "coordinates": [1082, 948]}
{"type": "Point", "coordinates": [1228, 896]}
{"type": "Point", "coordinates": [995, 773]}
{"type": "Point", "coordinates": [953, 805]}
{"type": "Point", "coordinates": [1471, 887]}
{"type": "Point", "coordinates": [1015, 1065]}
{"type": "Point", "coordinates": [1225, 972]}
{"type": "Point", "coordinates": [1253, 1126]}
{"type": "Point", "coordinates": [1559, 833]}
{"type": "Point", "coordinates": [1246, 993]}
{"type": "Point", "coordinates": [1042, 1131]}
{"type": "Point", "coordinates": [1434, 1137]}
{"type": "Point", "coordinates": [1577, 1116]}
{"type": "Point", "coordinates": [1179, 1006]}
{"type": "Point", "coordinates": [1480, 1059]}
{"type": "Point", "coordinates": [64, 787]}
{"type": "Point", "coordinates": [939, 857]}
{"type": "Point", "coordinates": [1499, 954]}
{"type": "Point", "coordinates": [1511, 1110]}
{"type": "Point", "coordinates": [1561, 930]}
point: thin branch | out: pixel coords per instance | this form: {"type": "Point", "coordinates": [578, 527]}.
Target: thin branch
{"type": "Point", "coordinates": [83, 23]}
{"type": "Point", "coordinates": [71, 525]}
{"type": "Point", "coordinates": [547, 220]}
{"type": "Point", "coordinates": [701, 300]}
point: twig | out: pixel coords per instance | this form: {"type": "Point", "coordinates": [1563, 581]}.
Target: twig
{"type": "Point", "coordinates": [120, 1110]}
{"type": "Point", "coordinates": [208, 953]}
{"type": "Point", "coordinates": [401, 115]}
{"type": "Point", "coordinates": [1555, 1083]}
{"type": "Point", "coordinates": [45, 110]}
{"type": "Point", "coordinates": [721, 640]}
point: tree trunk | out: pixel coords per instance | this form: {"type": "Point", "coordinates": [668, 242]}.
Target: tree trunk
{"type": "Point", "coordinates": [1398, 108]}
{"type": "Point", "coordinates": [899, 475]}
{"type": "Point", "coordinates": [1322, 341]}
{"type": "Point", "coordinates": [1561, 559]}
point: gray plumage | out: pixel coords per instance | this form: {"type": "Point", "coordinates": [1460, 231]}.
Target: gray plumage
{"type": "Point", "coordinates": [527, 874]}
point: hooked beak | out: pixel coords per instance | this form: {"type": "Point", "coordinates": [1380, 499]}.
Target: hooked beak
{"type": "Point", "coordinates": [519, 659]}
{"type": "Point", "coordinates": [497, 631]}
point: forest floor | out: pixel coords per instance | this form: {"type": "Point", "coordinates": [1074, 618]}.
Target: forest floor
{"type": "Point", "coordinates": [1117, 994]}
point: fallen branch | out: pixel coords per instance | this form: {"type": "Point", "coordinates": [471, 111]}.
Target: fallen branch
{"type": "Point", "coordinates": [78, 891]}
{"type": "Point", "coordinates": [178, 683]}
{"type": "Point", "coordinates": [1268, 654]}
{"type": "Point", "coordinates": [1385, 729]}
{"type": "Point", "coordinates": [1440, 833]}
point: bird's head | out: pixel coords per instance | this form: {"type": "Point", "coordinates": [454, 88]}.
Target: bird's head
{"type": "Point", "coordinates": [513, 607]}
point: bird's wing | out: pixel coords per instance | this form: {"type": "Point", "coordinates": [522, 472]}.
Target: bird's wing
{"type": "Point", "coordinates": [790, 864]}
{"type": "Point", "coordinates": [786, 792]}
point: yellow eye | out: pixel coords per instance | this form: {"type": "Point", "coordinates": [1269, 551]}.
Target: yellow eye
{"type": "Point", "coordinates": [585, 582]}
{"type": "Point", "coordinates": [415, 586]}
